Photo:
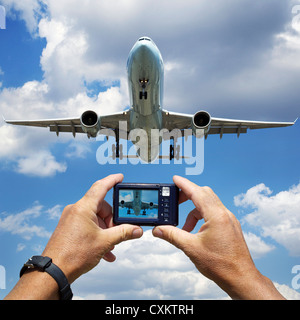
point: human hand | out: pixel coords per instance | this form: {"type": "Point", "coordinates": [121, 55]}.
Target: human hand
{"type": "Point", "coordinates": [218, 250]}
{"type": "Point", "coordinates": [85, 233]}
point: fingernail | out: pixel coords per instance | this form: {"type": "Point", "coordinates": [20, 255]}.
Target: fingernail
{"type": "Point", "coordinates": [157, 233]}
{"type": "Point", "coordinates": [137, 233]}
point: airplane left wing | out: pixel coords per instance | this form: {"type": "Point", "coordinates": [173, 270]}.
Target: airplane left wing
{"type": "Point", "coordinates": [55, 125]}
{"type": "Point", "coordinates": [75, 125]}
{"type": "Point", "coordinates": [126, 204]}
{"type": "Point", "coordinates": [173, 120]}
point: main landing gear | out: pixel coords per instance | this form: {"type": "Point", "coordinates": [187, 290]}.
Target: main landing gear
{"type": "Point", "coordinates": [117, 149]}
{"type": "Point", "coordinates": [174, 151]}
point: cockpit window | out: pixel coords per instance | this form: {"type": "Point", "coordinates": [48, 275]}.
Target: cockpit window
{"type": "Point", "coordinates": [144, 38]}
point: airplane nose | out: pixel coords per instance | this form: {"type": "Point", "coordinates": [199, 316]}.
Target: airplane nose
{"type": "Point", "coordinates": [144, 50]}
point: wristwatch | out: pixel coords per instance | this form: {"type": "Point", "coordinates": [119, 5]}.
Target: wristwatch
{"type": "Point", "coordinates": [46, 264]}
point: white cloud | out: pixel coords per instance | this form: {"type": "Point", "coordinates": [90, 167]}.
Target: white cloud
{"type": "Point", "coordinates": [277, 216]}
{"type": "Point", "coordinates": [27, 148]}
{"type": "Point", "coordinates": [78, 150]}
{"type": "Point", "coordinates": [20, 247]}
{"type": "Point", "coordinates": [29, 11]}
{"type": "Point", "coordinates": [148, 268]}
{"type": "Point", "coordinates": [287, 292]}
{"type": "Point", "coordinates": [258, 248]}
{"type": "Point", "coordinates": [55, 212]}
{"type": "Point", "coordinates": [20, 224]}
{"type": "Point", "coordinates": [41, 164]}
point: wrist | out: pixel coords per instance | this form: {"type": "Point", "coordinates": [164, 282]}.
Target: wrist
{"type": "Point", "coordinates": [252, 286]}
{"type": "Point", "coordinates": [63, 263]}
{"type": "Point", "coordinates": [35, 285]}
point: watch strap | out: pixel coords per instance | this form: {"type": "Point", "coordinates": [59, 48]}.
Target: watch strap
{"type": "Point", "coordinates": [45, 264]}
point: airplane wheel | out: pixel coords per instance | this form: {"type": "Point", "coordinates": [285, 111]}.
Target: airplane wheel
{"type": "Point", "coordinates": [121, 152]}
{"type": "Point", "coordinates": [177, 153]}
{"type": "Point", "coordinates": [171, 152]}
{"type": "Point", "coordinates": [113, 149]}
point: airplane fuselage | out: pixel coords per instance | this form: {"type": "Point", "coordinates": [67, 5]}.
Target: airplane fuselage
{"type": "Point", "coordinates": [137, 202]}
{"type": "Point", "coordinates": [146, 80]}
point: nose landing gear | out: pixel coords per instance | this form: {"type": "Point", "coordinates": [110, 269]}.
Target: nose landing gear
{"type": "Point", "coordinates": [143, 83]}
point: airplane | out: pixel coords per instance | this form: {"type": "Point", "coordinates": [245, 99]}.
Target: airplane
{"type": "Point", "coordinates": [145, 68]}
{"type": "Point", "coordinates": [137, 204]}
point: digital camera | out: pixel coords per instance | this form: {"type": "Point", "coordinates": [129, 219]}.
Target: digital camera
{"type": "Point", "coordinates": [145, 204]}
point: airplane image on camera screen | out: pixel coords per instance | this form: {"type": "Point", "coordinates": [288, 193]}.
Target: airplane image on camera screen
{"type": "Point", "coordinates": [142, 203]}
{"type": "Point", "coordinates": [145, 70]}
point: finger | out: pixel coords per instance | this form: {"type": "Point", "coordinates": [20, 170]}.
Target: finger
{"type": "Point", "coordinates": [205, 200]}
{"type": "Point", "coordinates": [95, 196]}
{"type": "Point", "coordinates": [187, 187]}
{"type": "Point", "coordinates": [175, 236]}
{"type": "Point", "coordinates": [118, 234]}
{"type": "Point", "coordinates": [182, 197]}
{"type": "Point", "coordinates": [109, 257]}
{"type": "Point", "coordinates": [105, 214]}
{"type": "Point", "coordinates": [192, 219]}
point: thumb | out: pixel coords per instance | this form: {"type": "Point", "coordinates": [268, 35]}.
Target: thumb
{"type": "Point", "coordinates": [118, 234]}
{"type": "Point", "coordinates": [179, 238]}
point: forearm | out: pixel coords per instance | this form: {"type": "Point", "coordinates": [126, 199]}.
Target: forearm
{"type": "Point", "coordinates": [252, 286]}
{"type": "Point", "coordinates": [35, 285]}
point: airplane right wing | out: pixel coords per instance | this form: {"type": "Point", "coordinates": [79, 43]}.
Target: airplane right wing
{"type": "Point", "coordinates": [149, 205]}
{"type": "Point", "coordinates": [181, 121]}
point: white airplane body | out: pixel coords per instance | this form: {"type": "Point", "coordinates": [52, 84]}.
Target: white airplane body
{"type": "Point", "coordinates": [137, 204]}
{"type": "Point", "coordinates": [146, 87]}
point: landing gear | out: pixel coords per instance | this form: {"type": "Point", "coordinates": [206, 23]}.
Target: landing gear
{"type": "Point", "coordinates": [117, 149]}
{"type": "Point", "coordinates": [143, 83]}
{"type": "Point", "coordinates": [143, 94]}
{"type": "Point", "coordinates": [128, 211]}
{"type": "Point", "coordinates": [174, 151]}
{"type": "Point", "coordinates": [171, 152]}
{"type": "Point", "coordinates": [144, 213]}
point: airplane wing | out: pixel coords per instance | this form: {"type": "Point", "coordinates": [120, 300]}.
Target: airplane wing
{"type": "Point", "coordinates": [173, 120]}
{"type": "Point", "coordinates": [126, 204]}
{"type": "Point", "coordinates": [147, 205]}
{"type": "Point", "coordinates": [74, 124]}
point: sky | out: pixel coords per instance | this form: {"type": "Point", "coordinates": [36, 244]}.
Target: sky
{"type": "Point", "coordinates": [234, 59]}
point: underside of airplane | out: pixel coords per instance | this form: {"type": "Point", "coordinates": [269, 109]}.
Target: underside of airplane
{"type": "Point", "coordinates": [146, 79]}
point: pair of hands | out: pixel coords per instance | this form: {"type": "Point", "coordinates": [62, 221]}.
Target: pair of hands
{"type": "Point", "coordinates": [85, 234]}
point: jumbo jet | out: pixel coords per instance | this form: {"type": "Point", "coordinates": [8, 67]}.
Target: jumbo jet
{"type": "Point", "coordinates": [145, 69]}
{"type": "Point", "coordinates": [137, 205]}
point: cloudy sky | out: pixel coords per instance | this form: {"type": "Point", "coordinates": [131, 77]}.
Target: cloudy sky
{"type": "Point", "coordinates": [235, 59]}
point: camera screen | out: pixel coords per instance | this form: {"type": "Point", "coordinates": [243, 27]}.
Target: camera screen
{"type": "Point", "coordinates": [138, 203]}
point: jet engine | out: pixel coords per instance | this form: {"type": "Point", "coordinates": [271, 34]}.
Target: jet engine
{"type": "Point", "coordinates": [201, 120]}
{"type": "Point", "coordinates": [90, 123]}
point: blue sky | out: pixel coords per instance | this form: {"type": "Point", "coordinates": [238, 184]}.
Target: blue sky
{"type": "Point", "coordinates": [60, 60]}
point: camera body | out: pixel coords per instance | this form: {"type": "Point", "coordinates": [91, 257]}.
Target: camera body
{"type": "Point", "coordinates": [145, 204]}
